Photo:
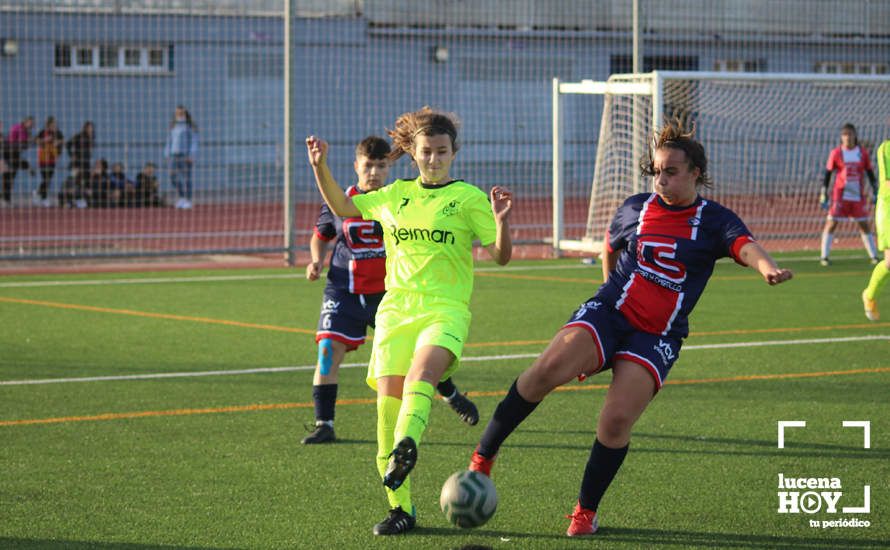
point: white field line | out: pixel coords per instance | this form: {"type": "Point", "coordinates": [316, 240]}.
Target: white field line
{"type": "Point", "coordinates": [222, 278]}
{"type": "Point", "coordinates": [481, 358]}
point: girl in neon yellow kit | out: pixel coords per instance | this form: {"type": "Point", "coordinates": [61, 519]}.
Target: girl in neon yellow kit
{"type": "Point", "coordinates": [881, 273]}
{"type": "Point", "coordinates": [429, 226]}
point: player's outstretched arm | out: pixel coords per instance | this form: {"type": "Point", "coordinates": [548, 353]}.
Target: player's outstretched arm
{"type": "Point", "coordinates": [317, 249]}
{"type": "Point", "coordinates": [753, 255]}
{"type": "Point", "coordinates": [333, 195]}
{"type": "Point", "coordinates": [501, 204]}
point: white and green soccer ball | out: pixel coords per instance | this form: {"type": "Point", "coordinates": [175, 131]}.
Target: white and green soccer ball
{"type": "Point", "coordinates": [468, 499]}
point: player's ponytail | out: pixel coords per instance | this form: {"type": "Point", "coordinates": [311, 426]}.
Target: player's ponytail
{"type": "Point", "coordinates": [674, 135]}
{"type": "Point", "coordinates": [426, 122]}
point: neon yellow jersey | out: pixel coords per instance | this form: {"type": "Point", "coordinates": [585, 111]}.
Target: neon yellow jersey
{"type": "Point", "coordinates": [883, 155]}
{"type": "Point", "coordinates": [428, 233]}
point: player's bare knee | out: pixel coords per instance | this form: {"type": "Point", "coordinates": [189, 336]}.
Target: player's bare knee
{"type": "Point", "coordinates": [553, 369]}
{"type": "Point", "coordinates": [613, 428]}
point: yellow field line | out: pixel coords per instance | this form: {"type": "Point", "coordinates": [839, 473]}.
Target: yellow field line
{"type": "Point", "coordinates": [597, 280]}
{"type": "Point", "coordinates": [507, 343]}
{"type": "Point", "coordinates": [150, 315]}
{"type": "Point", "coordinates": [281, 406]}
{"type": "Point", "coordinates": [787, 329]}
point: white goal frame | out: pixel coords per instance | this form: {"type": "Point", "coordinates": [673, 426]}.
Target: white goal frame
{"type": "Point", "coordinates": [645, 85]}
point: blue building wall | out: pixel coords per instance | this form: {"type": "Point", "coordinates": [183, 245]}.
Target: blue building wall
{"type": "Point", "coordinates": [352, 79]}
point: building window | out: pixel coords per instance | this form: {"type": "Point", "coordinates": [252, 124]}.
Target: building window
{"type": "Point", "coordinates": [113, 59]}
{"type": "Point", "coordinates": [850, 67]}
{"type": "Point", "coordinates": [83, 57]}
{"type": "Point", "coordinates": [63, 56]}
{"type": "Point", "coordinates": [132, 57]}
{"type": "Point", "coordinates": [740, 65]}
{"type": "Point", "coordinates": [156, 57]}
{"type": "Point", "coordinates": [621, 64]}
{"type": "Point", "coordinates": [107, 57]}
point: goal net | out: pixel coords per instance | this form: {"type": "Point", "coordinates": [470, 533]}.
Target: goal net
{"type": "Point", "coordinates": [767, 137]}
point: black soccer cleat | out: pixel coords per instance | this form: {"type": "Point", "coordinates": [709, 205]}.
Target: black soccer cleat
{"type": "Point", "coordinates": [323, 433]}
{"type": "Point", "coordinates": [401, 461]}
{"type": "Point", "coordinates": [397, 522]}
{"type": "Point", "coordinates": [464, 408]}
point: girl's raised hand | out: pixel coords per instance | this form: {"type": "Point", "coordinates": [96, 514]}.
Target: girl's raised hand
{"type": "Point", "coordinates": [317, 149]}
{"type": "Point", "coordinates": [501, 202]}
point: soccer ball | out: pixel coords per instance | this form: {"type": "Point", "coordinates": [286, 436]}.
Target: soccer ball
{"type": "Point", "coordinates": [468, 499]}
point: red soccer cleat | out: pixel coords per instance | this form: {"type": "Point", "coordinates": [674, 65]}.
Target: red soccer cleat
{"type": "Point", "coordinates": [583, 522]}
{"type": "Point", "coordinates": [479, 463]}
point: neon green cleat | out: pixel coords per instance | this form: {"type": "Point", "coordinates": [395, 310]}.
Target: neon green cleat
{"type": "Point", "coordinates": [871, 308]}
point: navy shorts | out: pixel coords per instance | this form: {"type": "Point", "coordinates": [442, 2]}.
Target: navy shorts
{"type": "Point", "coordinates": [345, 317]}
{"type": "Point", "coordinates": [615, 338]}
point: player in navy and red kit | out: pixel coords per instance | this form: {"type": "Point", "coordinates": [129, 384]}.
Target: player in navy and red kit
{"type": "Point", "coordinates": [658, 256]}
{"type": "Point", "coordinates": [848, 199]}
{"type": "Point", "coordinates": [353, 291]}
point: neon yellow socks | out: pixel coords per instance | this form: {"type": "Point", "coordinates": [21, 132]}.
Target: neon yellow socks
{"type": "Point", "coordinates": [387, 418]}
{"type": "Point", "coordinates": [878, 279]}
{"type": "Point", "coordinates": [397, 419]}
{"type": "Point", "coordinates": [417, 400]}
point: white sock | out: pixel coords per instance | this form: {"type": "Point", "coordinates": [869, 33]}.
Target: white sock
{"type": "Point", "coordinates": [868, 239]}
{"type": "Point", "coordinates": [827, 240]}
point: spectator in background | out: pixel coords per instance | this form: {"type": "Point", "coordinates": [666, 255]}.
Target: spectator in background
{"type": "Point", "coordinates": [99, 189]}
{"type": "Point", "coordinates": [72, 193]}
{"type": "Point", "coordinates": [147, 187]}
{"type": "Point", "coordinates": [80, 148]}
{"type": "Point", "coordinates": [181, 148]}
{"type": "Point", "coordinates": [16, 142]}
{"type": "Point", "coordinates": [49, 147]}
{"type": "Point", "coordinates": [120, 187]}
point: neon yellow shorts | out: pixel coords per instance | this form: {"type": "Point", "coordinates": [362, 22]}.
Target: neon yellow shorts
{"type": "Point", "coordinates": [882, 222]}
{"type": "Point", "coordinates": [407, 321]}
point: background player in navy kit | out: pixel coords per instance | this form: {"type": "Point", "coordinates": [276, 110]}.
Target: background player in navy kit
{"type": "Point", "coordinates": [659, 253]}
{"type": "Point", "coordinates": [354, 290]}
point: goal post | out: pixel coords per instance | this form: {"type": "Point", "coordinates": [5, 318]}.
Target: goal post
{"type": "Point", "coordinates": [767, 138]}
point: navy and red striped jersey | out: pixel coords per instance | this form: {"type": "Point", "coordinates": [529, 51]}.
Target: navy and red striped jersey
{"type": "Point", "coordinates": [667, 255]}
{"type": "Point", "coordinates": [358, 262]}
